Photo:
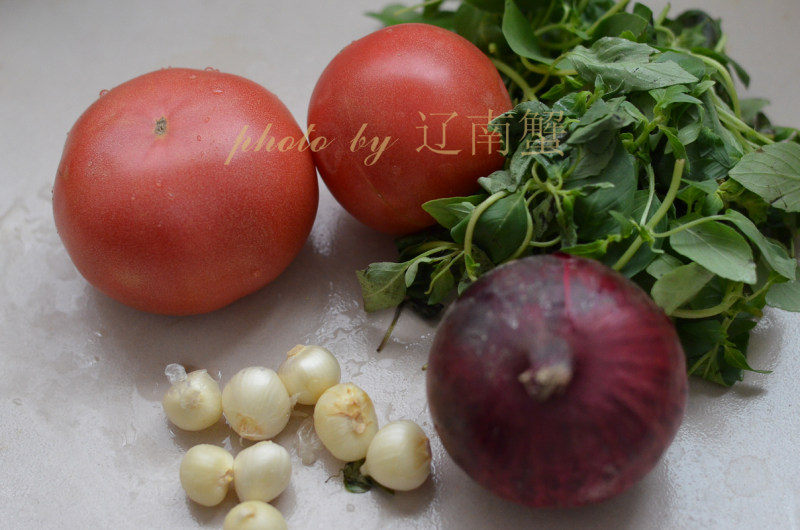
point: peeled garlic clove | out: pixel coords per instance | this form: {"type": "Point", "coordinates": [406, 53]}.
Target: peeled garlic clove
{"type": "Point", "coordinates": [308, 371]}
{"type": "Point", "coordinates": [399, 456]}
{"type": "Point", "coordinates": [256, 404]}
{"type": "Point", "coordinates": [345, 421]}
{"type": "Point", "coordinates": [193, 402]}
{"type": "Point", "coordinates": [254, 515]}
{"type": "Point", "coordinates": [206, 472]}
{"type": "Point", "coordinates": [261, 472]}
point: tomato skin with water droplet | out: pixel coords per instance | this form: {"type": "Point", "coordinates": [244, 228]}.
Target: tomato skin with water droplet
{"type": "Point", "coordinates": [157, 219]}
{"type": "Point", "coordinates": [601, 428]}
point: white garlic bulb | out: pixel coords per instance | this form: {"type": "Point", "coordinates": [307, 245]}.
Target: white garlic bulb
{"type": "Point", "coordinates": [261, 472]}
{"type": "Point", "coordinates": [254, 515]}
{"type": "Point", "coordinates": [193, 402]}
{"type": "Point", "coordinates": [308, 371]}
{"type": "Point", "coordinates": [256, 404]}
{"type": "Point", "coordinates": [206, 472]}
{"type": "Point", "coordinates": [345, 421]}
{"type": "Point", "coordinates": [399, 456]}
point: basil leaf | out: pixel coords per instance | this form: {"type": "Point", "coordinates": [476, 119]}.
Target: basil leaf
{"type": "Point", "coordinates": [501, 229]}
{"type": "Point", "coordinates": [679, 285]}
{"type": "Point", "coordinates": [442, 284]}
{"type": "Point", "coordinates": [662, 265]}
{"type": "Point", "coordinates": [773, 172]}
{"type": "Point", "coordinates": [785, 296]}
{"type": "Point", "coordinates": [520, 35]}
{"type": "Point", "coordinates": [383, 285]}
{"type": "Point", "coordinates": [592, 211]}
{"type": "Point", "coordinates": [502, 180]}
{"type": "Point", "coordinates": [717, 247]}
{"type": "Point", "coordinates": [601, 118]}
{"type": "Point", "coordinates": [450, 211]}
{"type": "Point", "coordinates": [621, 22]}
{"type": "Point", "coordinates": [671, 95]}
{"type": "Point", "coordinates": [774, 254]}
{"type": "Point", "coordinates": [625, 66]}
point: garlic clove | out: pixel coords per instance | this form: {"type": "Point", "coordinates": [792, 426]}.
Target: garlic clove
{"type": "Point", "coordinates": [345, 421]}
{"type": "Point", "coordinates": [255, 403]}
{"type": "Point", "coordinates": [399, 456]}
{"type": "Point", "coordinates": [308, 371]}
{"type": "Point", "coordinates": [206, 472]}
{"type": "Point", "coordinates": [254, 515]}
{"type": "Point", "coordinates": [261, 472]}
{"type": "Point", "coordinates": [192, 402]}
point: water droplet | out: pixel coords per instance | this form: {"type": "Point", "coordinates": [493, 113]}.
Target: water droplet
{"type": "Point", "coordinates": [158, 183]}
{"type": "Point", "coordinates": [89, 163]}
{"type": "Point", "coordinates": [211, 69]}
{"type": "Point", "coordinates": [193, 76]}
{"type": "Point", "coordinates": [207, 119]}
{"type": "Point", "coordinates": [103, 92]}
{"type": "Point", "coordinates": [198, 138]}
{"type": "Point", "coordinates": [216, 91]}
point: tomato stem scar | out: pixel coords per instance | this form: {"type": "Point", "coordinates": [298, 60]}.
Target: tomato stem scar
{"type": "Point", "coordinates": [161, 126]}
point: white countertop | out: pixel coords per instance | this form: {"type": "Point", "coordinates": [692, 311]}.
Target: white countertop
{"type": "Point", "coordinates": [83, 440]}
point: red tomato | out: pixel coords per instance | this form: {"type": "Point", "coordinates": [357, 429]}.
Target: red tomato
{"type": "Point", "coordinates": [164, 201]}
{"type": "Point", "coordinates": [404, 111]}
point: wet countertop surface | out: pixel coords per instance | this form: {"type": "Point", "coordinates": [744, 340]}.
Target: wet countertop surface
{"type": "Point", "coordinates": [83, 440]}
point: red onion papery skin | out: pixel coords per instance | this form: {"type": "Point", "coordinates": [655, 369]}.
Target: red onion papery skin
{"type": "Point", "coordinates": [594, 436]}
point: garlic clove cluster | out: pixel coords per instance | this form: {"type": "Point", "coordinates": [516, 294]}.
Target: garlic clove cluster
{"type": "Point", "coordinates": [260, 472]}
{"type": "Point", "coordinates": [257, 403]}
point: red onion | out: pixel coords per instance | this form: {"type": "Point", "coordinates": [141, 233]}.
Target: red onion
{"type": "Point", "coordinates": [554, 381]}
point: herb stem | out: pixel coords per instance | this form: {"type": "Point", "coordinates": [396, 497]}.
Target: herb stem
{"type": "Point", "coordinates": [427, 246]}
{"type": "Point", "coordinates": [648, 129]}
{"type": "Point", "coordinates": [726, 79]}
{"type": "Point", "coordinates": [527, 92]}
{"type": "Point", "coordinates": [473, 220]}
{"type": "Point", "coordinates": [546, 70]}
{"type": "Point", "coordinates": [690, 224]}
{"type": "Point", "coordinates": [545, 244]}
{"type": "Point", "coordinates": [672, 192]}
{"type": "Point", "coordinates": [662, 16]}
{"type": "Point", "coordinates": [651, 192]}
{"type": "Point", "coordinates": [616, 8]}
{"type": "Point", "coordinates": [707, 312]}
{"type": "Point", "coordinates": [738, 125]}
{"type": "Point", "coordinates": [455, 256]}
